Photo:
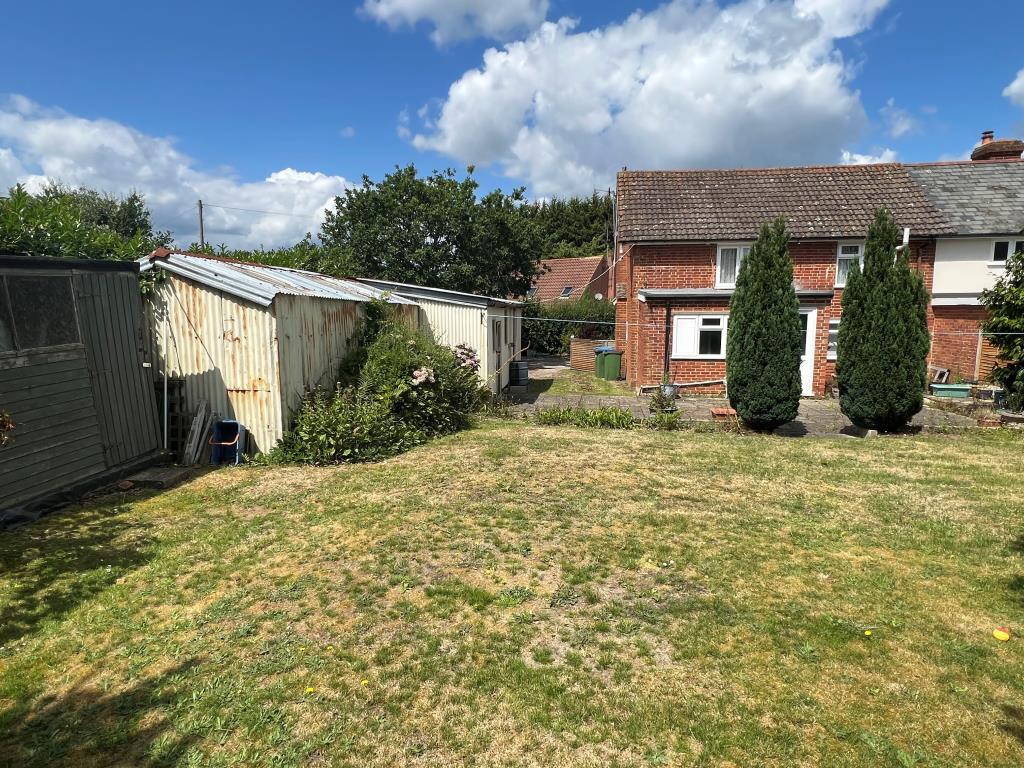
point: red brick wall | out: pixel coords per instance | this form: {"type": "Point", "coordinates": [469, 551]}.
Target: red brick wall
{"type": "Point", "coordinates": [955, 340]}
{"type": "Point", "coordinates": [641, 325]}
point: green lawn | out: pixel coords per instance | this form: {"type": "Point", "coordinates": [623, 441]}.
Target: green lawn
{"type": "Point", "coordinates": [517, 596]}
{"type": "Point", "coordinates": [572, 382]}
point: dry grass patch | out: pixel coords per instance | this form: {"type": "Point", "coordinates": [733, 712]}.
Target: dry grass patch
{"type": "Point", "coordinates": [521, 596]}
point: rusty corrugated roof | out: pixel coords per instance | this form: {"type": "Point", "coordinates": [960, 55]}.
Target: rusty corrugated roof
{"type": "Point", "coordinates": [260, 283]}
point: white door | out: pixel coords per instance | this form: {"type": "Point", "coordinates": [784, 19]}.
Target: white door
{"type": "Point", "coordinates": [808, 326]}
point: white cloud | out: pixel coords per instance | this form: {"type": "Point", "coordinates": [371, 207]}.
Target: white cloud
{"type": "Point", "coordinates": [885, 155]}
{"type": "Point", "coordinates": [898, 121]}
{"type": "Point", "coordinates": [347, 132]}
{"type": "Point", "coordinates": [1015, 90]}
{"type": "Point", "coordinates": [460, 19]}
{"type": "Point", "coordinates": [842, 18]}
{"type": "Point", "coordinates": [39, 144]}
{"type": "Point", "coordinates": [687, 85]}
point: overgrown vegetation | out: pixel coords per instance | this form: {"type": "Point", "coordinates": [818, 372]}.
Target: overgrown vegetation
{"type": "Point", "coordinates": [7, 426]}
{"type": "Point", "coordinates": [524, 595]}
{"type": "Point", "coordinates": [1005, 305]}
{"type": "Point", "coordinates": [407, 390]}
{"type": "Point", "coordinates": [765, 342]}
{"type": "Point", "coordinates": [882, 364]}
{"type": "Point", "coordinates": [555, 323]}
{"type": "Point", "coordinates": [76, 224]}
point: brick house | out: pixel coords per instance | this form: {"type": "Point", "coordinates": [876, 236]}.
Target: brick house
{"type": "Point", "coordinates": [682, 235]}
{"type": "Point", "coordinates": [570, 278]}
{"type": "Point", "coordinates": [983, 200]}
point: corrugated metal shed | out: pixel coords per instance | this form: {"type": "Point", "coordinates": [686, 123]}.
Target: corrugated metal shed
{"type": "Point", "coordinates": [252, 340]}
{"type": "Point", "coordinates": [491, 326]}
{"type": "Point", "coordinates": [71, 375]}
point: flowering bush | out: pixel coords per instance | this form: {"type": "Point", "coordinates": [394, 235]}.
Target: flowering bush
{"type": "Point", "coordinates": [6, 427]}
{"type": "Point", "coordinates": [408, 390]}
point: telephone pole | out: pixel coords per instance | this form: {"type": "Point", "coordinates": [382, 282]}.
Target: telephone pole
{"type": "Point", "coordinates": [202, 234]}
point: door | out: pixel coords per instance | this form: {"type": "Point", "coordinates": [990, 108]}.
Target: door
{"type": "Point", "coordinates": [496, 339]}
{"type": "Point", "coordinates": [808, 326]}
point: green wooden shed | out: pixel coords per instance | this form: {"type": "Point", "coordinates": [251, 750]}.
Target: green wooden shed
{"type": "Point", "coordinates": [72, 377]}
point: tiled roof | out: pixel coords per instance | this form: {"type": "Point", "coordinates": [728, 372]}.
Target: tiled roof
{"type": "Point", "coordinates": [976, 198]}
{"type": "Point", "coordinates": [817, 201]}
{"type": "Point", "coordinates": [557, 274]}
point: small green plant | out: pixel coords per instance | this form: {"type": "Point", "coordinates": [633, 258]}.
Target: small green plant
{"type": "Point", "coordinates": [7, 426]}
{"type": "Point", "coordinates": [606, 417]}
{"type": "Point", "coordinates": [666, 421]}
{"type": "Point", "coordinates": [661, 401]}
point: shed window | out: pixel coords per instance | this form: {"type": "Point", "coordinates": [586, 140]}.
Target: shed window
{"type": "Point", "coordinates": [1001, 249]}
{"type": "Point", "coordinates": [6, 327]}
{"type": "Point", "coordinates": [44, 311]}
{"type": "Point", "coordinates": [699, 336]}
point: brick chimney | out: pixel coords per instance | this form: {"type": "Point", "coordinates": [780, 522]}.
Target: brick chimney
{"type": "Point", "coordinates": [992, 148]}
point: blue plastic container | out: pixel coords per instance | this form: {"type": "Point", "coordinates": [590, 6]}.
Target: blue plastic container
{"type": "Point", "coordinates": [227, 443]}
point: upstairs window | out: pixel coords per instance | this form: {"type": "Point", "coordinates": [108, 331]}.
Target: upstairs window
{"type": "Point", "coordinates": [42, 309]}
{"type": "Point", "coordinates": [565, 292]}
{"type": "Point", "coordinates": [1001, 249]}
{"type": "Point", "coordinates": [849, 254]}
{"type": "Point", "coordinates": [730, 261]}
{"type": "Point", "coordinates": [699, 336]}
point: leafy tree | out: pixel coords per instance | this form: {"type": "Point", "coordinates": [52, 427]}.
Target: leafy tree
{"type": "Point", "coordinates": [596, 320]}
{"type": "Point", "coordinates": [575, 226]}
{"type": "Point", "coordinates": [765, 342]}
{"type": "Point", "coordinates": [434, 231]}
{"type": "Point", "coordinates": [882, 364]}
{"type": "Point", "coordinates": [1005, 305]}
{"type": "Point", "coordinates": [76, 224]}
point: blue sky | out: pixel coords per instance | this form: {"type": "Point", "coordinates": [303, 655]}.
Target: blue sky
{"type": "Point", "coordinates": [213, 99]}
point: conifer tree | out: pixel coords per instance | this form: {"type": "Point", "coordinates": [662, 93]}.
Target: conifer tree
{"type": "Point", "coordinates": [882, 360]}
{"type": "Point", "coordinates": [765, 340]}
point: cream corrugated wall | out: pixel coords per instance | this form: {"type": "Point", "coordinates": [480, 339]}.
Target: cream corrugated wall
{"type": "Point", "coordinates": [452, 324]}
{"type": "Point", "coordinates": [225, 350]}
{"type": "Point", "coordinates": [314, 337]}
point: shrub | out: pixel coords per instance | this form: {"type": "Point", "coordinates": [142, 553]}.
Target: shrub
{"type": "Point", "coordinates": [607, 417]}
{"type": "Point", "coordinates": [559, 321]}
{"type": "Point", "coordinates": [765, 342]}
{"type": "Point", "coordinates": [1005, 305]}
{"type": "Point", "coordinates": [882, 365]}
{"type": "Point", "coordinates": [408, 390]}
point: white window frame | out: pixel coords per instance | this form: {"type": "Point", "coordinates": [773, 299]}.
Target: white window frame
{"type": "Point", "coordinates": [839, 255]}
{"type": "Point", "coordinates": [1012, 240]}
{"type": "Point", "coordinates": [830, 355]}
{"type": "Point", "coordinates": [686, 348]}
{"type": "Point", "coordinates": [742, 251]}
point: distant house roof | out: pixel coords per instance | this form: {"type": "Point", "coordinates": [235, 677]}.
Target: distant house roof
{"type": "Point", "coordinates": [260, 283]}
{"type": "Point", "coordinates": [976, 198]}
{"type": "Point", "coordinates": [817, 201]}
{"type": "Point", "coordinates": [557, 275]}
{"type": "Point", "coordinates": [410, 291]}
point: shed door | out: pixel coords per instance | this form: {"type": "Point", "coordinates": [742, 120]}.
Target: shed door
{"type": "Point", "coordinates": [110, 319]}
{"type": "Point", "coordinates": [497, 338]}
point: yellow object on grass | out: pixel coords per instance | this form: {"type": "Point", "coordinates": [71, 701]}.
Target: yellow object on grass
{"type": "Point", "coordinates": [1001, 633]}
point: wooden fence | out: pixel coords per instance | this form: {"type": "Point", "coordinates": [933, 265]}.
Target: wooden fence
{"type": "Point", "coordinates": [581, 353]}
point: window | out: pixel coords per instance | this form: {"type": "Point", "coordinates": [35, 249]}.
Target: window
{"type": "Point", "coordinates": [833, 339]}
{"type": "Point", "coordinates": [6, 325]}
{"type": "Point", "coordinates": [531, 292]}
{"type": "Point", "coordinates": [849, 254]}
{"type": "Point", "coordinates": [699, 336]}
{"type": "Point", "coordinates": [43, 311]}
{"type": "Point", "coordinates": [1001, 249]}
{"type": "Point", "coordinates": [565, 292]}
{"type": "Point", "coordinates": [730, 260]}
